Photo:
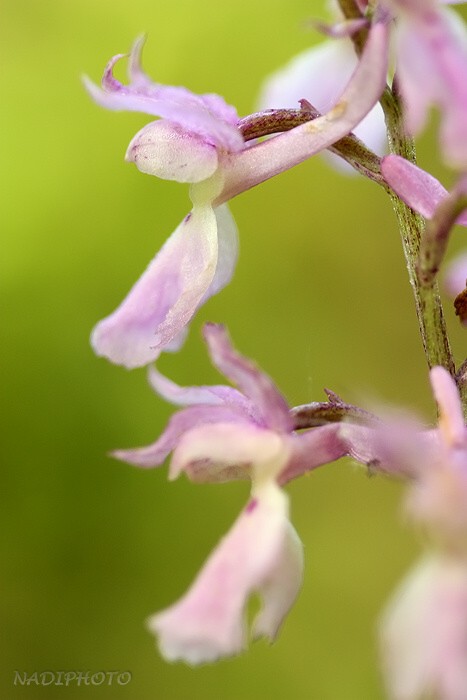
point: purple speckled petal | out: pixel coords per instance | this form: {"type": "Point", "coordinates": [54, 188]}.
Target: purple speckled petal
{"type": "Point", "coordinates": [207, 115]}
{"type": "Point", "coordinates": [253, 383]}
{"type": "Point", "coordinates": [192, 395]}
{"type": "Point", "coordinates": [259, 554]}
{"type": "Point", "coordinates": [165, 298]}
{"type": "Point", "coordinates": [417, 188]}
{"type": "Point", "coordinates": [165, 150]}
{"type": "Point", "coordinates": [215, 452]}
{"type": "Point", "coordinates": [181, 422]}
{"type": "Point", "coordinates": [264, 160]}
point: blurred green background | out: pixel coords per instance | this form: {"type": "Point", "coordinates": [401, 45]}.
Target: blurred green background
{"type": "Point", "coordinates": [90, 546]}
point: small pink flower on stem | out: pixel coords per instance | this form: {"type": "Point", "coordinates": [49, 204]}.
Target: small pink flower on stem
{"type": "Point", "coordinates": [424, 629]}
{"type": "Point", "coordinates": [198, 141]}
{"type": "Point", "coordinates": [431, 64]}
{"type": "Point", "coordinates": [224, 434]}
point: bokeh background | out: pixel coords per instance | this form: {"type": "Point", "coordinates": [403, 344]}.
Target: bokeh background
{"type": "Point", "coordinates": [90, 546]}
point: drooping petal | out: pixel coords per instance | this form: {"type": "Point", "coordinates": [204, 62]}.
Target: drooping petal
{"type": "Point", "coordinates": [227, 255]}
{"type": "Point", "coordinates": [180, 423]}
{"type": "Point", "coordinates": [216, 452]}
{"type": "Point", "coordinates": [417, 188]}
{"type": "Point", "coordinates": [264, 160]}
{"type": "Point", "coordinates": [165, 150]}
{"type": "Point", "coordinates": [166, 296]}
{"type": "Point", "coordinates": [424, 633]}
{"type": "Point", "coordinates": [207, 115]}
{"type": "Point", "coordinates": [451, 422]}
{"type": "Point", "coordinates": [319, 75]}
{"type": "Point", "coordinates": [253, 383]}
{"type": "Point", "coordinates": [209, 621]}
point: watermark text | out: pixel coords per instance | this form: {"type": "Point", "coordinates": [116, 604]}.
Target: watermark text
{"type": "Point", "coordinates": [72, 678]}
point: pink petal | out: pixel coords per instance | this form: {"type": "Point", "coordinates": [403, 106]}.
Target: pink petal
{"type": "Point", "coordinates": [424, 633]}
{"type": "Point", "coordinates": [216, 452]}
{"type": "Point", "coordinates": [166, 296]}
{"type": "Point", "coordinates": [258, 554]}
{"type": "Point", "coordinates": [417, 188]}
{"type": "Point", "coordinates": [455, 280]}
{"type": "Point", "coordinates": [433, 42]}
{"type": "Point", "coordinates": [319, 75]}
{"type": "Point", "coordinates": [180, 423]}
{"type": "Point", "coordinates": [165, 150]}
{"type": "Point", "coordinates": [227, 256]}
{"type": "Point", "coordinates": [311, 449]}
{"type": "Point", "coordinates": [264, 160]}
{"type": "Point", "coordinates": [253, 383]}
{"type": "Point", "coordinates": [192, 395]}
{"type": "Point", "coordinates": [206, 115]}
{"type": "Point", "coordinates": [451, 421]}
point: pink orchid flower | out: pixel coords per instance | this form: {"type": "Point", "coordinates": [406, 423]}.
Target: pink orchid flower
{"type": "Point", "coordinates": [424, 629]}
{"type": "Point", "coordinates": [197, 141]}
{"type": "Point", "coordinates": [223, 434]}
{"type": "Point", "coordinates": [431, 64]}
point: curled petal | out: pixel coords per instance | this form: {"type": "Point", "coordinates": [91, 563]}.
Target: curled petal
{"type": "Point", "coordinates": [207, 115]}
{"type": "Point", "coordinates": [216, 452]}
{"type": "Point", "coordinates": [180, 423]}
{"type": "Point", "coordinates": [259, 554]}
{"type": "Point", "coordinates": [227, 255]}
{"type": "Point", "coordinates": [418, 189]}
{"type": "Point", "coordinates": [253, 383]}
{"type": "Point", "coordinates": [164, 299]}
{"type": "Point", "coordinates": [451, 422]}
{"type": "Point", "coordinates": [424, 633]}
{"type": "Point", "coordinates": [165, 150]}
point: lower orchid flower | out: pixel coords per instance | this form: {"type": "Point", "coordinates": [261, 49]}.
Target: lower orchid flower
{"type": "Point", "coordinates": [198, 141]}
{"type": "Point", "coordinates": [424, 629]}
{"type": "Point", "coordinates": [224, 434]}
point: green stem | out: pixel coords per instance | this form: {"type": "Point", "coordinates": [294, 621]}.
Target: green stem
{"type": "Point", "coordinates": [427, 301]}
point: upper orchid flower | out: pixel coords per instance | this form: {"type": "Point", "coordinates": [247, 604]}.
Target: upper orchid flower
{"type": "Point", "coordinates": [198, 141]}
{"type": "Point", "coordinates": [431, 64]}
{"type": "Point", "coordinates": [221, 435]}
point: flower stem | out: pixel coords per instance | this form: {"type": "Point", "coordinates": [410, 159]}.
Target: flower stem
{"type": "Point", "coordinates": [427, 301]}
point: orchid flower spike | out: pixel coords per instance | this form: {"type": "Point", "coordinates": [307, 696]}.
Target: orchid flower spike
{"type": "Point", "coordinates": [197, 140]}
{"type": "Point", "coordinates": [224, 434]}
